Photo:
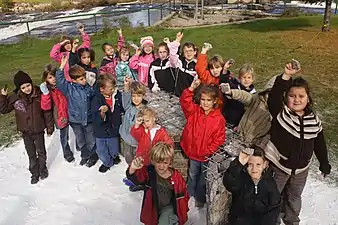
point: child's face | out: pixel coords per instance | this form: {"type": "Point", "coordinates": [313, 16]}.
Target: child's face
{"type": "Point", "coordinates": [149, 121]}
{"type": "Point", "coordinates": [137, 99]}
{"type": "Point", "coordinates": [68, 46]}
{"type": "Point", "coordinates": [26, 88]}
{"type": "Point", "coordinates": [107, 90]}
{"type": "Point", "coordinates": [189, 53]}
{"type": "Point", "coordinates": [216, 71]}
{"type": "Point", "coordinates": [148, 49]}
{"type": "Point", "coordinates": [162, 168]}
{"type": "Point", "coordinates": [207, 103]}
{"type": "Point", "coordinates": [50, 79]}
{"type": "Point", "coordinates": [297, 99]}
{"type": "Point", "coordinates": [125, 56]}
{"type": "Point", "coordinates": [109, 50]}
{"type": "Point", "coordinates": [85, 58]}
{"type": "Point", "coordinates": [256, 166]}
{"type": "Point", "coordinates": [162, 53]}
{"type": "Point", "coordinates": [80, 80]}
{"type": "Point", "coordinates": [246, 80]}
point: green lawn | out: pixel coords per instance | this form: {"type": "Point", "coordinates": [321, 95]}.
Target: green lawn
{"type": "Point", "coordinates": [264, 44]}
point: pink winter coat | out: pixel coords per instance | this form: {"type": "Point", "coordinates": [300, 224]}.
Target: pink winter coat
{"type": "Point", "coordinates": [56, 54]}
{"type": "Point", "coordinates": [141, 64]}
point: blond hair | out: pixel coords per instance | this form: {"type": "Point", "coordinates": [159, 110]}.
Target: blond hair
{"type": "Point", "coordinates": [145, 110]}
{"type": "Point", "coordinates": [137, 88]}
{"type": "Point", "coordinates": [246, 68]}
{"type": "Point", "coordinates": [160, 152]}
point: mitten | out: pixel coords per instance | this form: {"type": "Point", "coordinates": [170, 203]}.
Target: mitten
{"type": "Point", "coordinates": [44, 89]}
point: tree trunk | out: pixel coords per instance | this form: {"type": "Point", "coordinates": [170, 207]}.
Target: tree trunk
{"type": "Point", "coordinates": [327, 16]}
{"type": "Point", "coordinates": [196, 10]}
{"type": "Point", "coordinates": [202, 9]}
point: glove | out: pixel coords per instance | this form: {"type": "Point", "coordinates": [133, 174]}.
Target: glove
{"type": "Point", "coordinates": [155, 88]}
{"type": "Point", "coordinates": [44, 89]}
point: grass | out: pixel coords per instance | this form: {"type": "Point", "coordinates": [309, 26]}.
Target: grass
{"type": "Point", "coordinates": [264, 44]}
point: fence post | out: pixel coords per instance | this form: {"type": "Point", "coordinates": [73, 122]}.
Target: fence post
{"type": "Point", "coordinates": [335, 11]}
{"type": "Point", "coordinates": [161, 12]}
{"type": "Point", "coordinates": [95, 22]}
{"type": "Point", "coordinates": [148, 16]}
{"type": "Point", "coordinates": [169, 6]}
{"type": "Point", "coordinates": [29, 31]}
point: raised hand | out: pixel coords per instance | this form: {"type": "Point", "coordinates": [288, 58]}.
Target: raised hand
{"type": "Point", "coordinates": [119, 31]}
{"type": "Point", "coordinates": [80, 27]}
{"type": "Point", "coordinates": [166, 40]}
{"type": "Point", "coordinates": [206, 47]}
{"type": "Point", "coordinates": [103, 108]}
{"type": "Point", "coordinates": [64, 42]}
{"type": "Point", "coordinates": [195, 84]}
{"type": "Point", "coordinates": [138, 51]}
{"type": "Point", "coordinates": [75, 44]}
{"type": "Point", "coordinates": [139, 121]}
{"type": "Point", "coordinates": [243, 158]}
{"type": "Point", "coordinates": [291, 69]}
{"type": "Point", "coordinates": [64, 61]}
{"type": "Point", "coordinates": [4, 91]}
{"type": "Point", "coordinates": [179, 36]}
{"type": "Point", "coordinates": [137, 163]}
{"type": "Point", "coordinates": [225, 88]}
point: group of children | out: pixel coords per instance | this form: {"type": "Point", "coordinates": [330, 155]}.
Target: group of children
{"type": "Point", "coordinates": [107, 110]}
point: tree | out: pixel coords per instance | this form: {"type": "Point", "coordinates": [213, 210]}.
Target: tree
{"type": "Point", "coordinates": [327, 13]}
{"type": "Point", "coordinates": [196, 10]}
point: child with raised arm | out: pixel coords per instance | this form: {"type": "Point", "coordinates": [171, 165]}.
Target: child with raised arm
{"type": "Point", "coordinates": [79, 95]}
{"type": "Point", "coordinates": [147, 133]}
{"type": "Point", "coordinates": [111, 56]}
{"type": "Point", "coordinates": [165, 199]}
{"type": "Point", "coordinates": [31, 121]}
{"type": "Point", "coordinates": [255, 196]}
{"type": "Point", "coordinates": [202, 135]}
{"type": "Point", "coordinates": [296, 133]}
{"type": "Point", "coordinates": [53, 99]}
{"type": "Point", "coordinates": [65, 47]}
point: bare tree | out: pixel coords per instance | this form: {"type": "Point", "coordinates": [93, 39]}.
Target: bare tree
{"type": "Point", "coordinates": [196, 10]}
{"type": "Point", "coordinates": [327, 14]}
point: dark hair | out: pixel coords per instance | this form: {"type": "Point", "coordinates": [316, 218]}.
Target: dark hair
{"type": "Point", "coordinates": [64, 37]}
{"type": "Point", "coordinates": [104, 46]}
{"type": "Point", "coordinates": [83, 50]}
{"type": "Point", "coordinates": [49, 69]}
{"type": "Point", "coordinates": [104, 79]}
{"type": "Point", "coordinates": [258, 151]}
{"type": "Point", "coordinates": [210, 90]}
{"type": "Point", "coordinates": [300, 82]}
{"type": "Point", "coordinates": [190, 45]}
{"type": "Point", "coordinates": [162, 44]}
{"type": "Point", "coordinates": [76, 72]}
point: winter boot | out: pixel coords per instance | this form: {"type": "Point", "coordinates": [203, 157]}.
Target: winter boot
{"type": "Point", "coordinates": [103, 168]}
{"type": "Point", "coordinates": [44, 174]}
{"type": "Point", "coordinates": [116, 160]}
{"type": "Point", "coordinates": [34, 179]}
{"type": "Point", "coordinates": [91, 162]}
{"type": "Point", "coordinates": [83, 162]}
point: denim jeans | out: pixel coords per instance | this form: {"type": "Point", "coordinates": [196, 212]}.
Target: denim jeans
{"type": "Point", "coordinates": [64, 139]}
{"type": "Point", "coordinates": [196, 180]}
{"type": "Point", "coordinates": [85, 140]}
{"type": "Point", "coordinates": [107, 150]}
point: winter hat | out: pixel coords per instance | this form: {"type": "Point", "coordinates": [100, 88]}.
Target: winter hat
{"type": "Point", "coordinates": [21, 78]}
{"type": "Point", "coordinates": [146, 40]}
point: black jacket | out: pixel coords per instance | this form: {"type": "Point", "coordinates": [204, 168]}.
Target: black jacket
{"type": "Point", "coordinates": [184, 75]}
{"type": "Point", "coordinates": [161, 74]}
{"type": "Point", "coordinates": [109, 126]}
{"type": "Point", "coordinates": [251, 204]}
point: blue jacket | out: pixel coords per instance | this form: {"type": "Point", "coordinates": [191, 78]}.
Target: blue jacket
{"type": "Point", "coordinates": [109, 126]}
{"type": "Point", "coordinates": [78, 98]}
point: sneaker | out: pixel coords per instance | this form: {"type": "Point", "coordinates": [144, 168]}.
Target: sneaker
{"type": "Point", "coordinates": [117, 160]}
{"type": "Point", "coordinates": [136, 188]}
{"type": "Point", "coordinates": [34, 179]}
{"type": "Point", "coordinates": [103, 168]}
{"type": "Point", "coordinates": [199, 204]}
{"type": "Point", "coordinates": [91, 162]}
{"type": "Point", "coordinates": [83, 161]}
{"type": "Point", "coordinates": [44, 175]}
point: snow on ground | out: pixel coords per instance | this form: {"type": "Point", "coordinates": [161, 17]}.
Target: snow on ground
{"type": "Point", "coordinates": [75, 195]}
{"type": "Point", "coordinates": [18, 29]}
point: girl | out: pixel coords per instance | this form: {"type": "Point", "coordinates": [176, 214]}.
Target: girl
{"type": "Point", "coordinates": [143, 58]}
{"type": "Point", "coordinates": [296, 132]}
{"type": "Point", "coordinates": [65, 47]}
{"type": "Point", "coordinates": [161, 75]}
{"type": "Point", "coordinates": [202, 135]}
{"type": "Point", "coordinates": [122, 68]}
{"type": "Point", "coordinates": [53, 99]}
{"type": "Point", "coordinates": [255, 197]}
{"type": "Point", "coordinates": [31, 121]}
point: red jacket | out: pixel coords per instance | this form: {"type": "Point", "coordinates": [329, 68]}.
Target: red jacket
{"type": "Point", "coordinates": [202, 134]}
{"type": "Point", "coordinates": [144, 142]}
{"type": "Point", "coordinates": [56, 100]}
{"type": "Point", "coordinates": [149, 212]}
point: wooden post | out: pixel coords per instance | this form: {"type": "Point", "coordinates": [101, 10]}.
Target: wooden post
{"type": "Point", "coordinates": [29, 32]}
{"type": "Point", "coordinates": [95, 22]}
{"type": "Point", "coordinates": [148, 16]}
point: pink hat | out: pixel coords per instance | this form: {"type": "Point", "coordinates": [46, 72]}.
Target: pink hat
{"type": "Point", "coordinates": [146, 40]}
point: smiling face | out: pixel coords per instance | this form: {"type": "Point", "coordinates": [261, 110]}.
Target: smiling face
{"type": "Point", "coordinates": [297, 100]}
{"type": "Point", "coordinates": [162, 168]}
{"type": "Point", "coordinates": [68, 46]}
{"type": "Point", "coordinates": [108, 50]}
{"type": "Point", "coordinates": [125, 56]}
{"type": "Point", "coordinates": [246, 79]}
{"type": "Point", "coordinates": [50, 79]}
{"type": "Point", "coordinates": [256, 166]}
{"type": "Point", "coordinates": [26, 88]}
{"type": "Point", "coordinates": [189, 53]}
{"type": "Point", "coordinates": [137, 99]}
{"type": "Point", "coordinates": [148, 49]}
{"type": "Point", "coordinates": [163, 53]}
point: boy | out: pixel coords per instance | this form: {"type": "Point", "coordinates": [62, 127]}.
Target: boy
{"type": "Point", "coordinates": [107, 108]}
{"type": "Point", "coordinates": [165, 198]}
{"type": "Point", "coordinates": [79, 95]}
{"type": "Point", "coordinates": [147, 133]}
{"type": "Point", "coordinates": [31, 121]}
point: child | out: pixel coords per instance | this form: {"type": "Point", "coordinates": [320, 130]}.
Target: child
{"type": "Point", "coordinates": [255, 197]}
{"type": "Point", "coordinates": [233, 110]}
{"type": "Point", "coordinates": [65, 47]}
{"type": "Point", "coordinates": [110, 59]}
{"type": "Point", "coordinates": [165, 199]}
{"type": "Point", "coordinates": [296, 132]}
{"type": "Point", "coordinates": [53, 99]}
{"type": "Point", "coordinates": [79, 95]}
{"type": "Point", "coordinates": [106, 106]}
{"type": "Point", "coordinates": [185, 63]}
{"type": "Point", "coordinates": [202, 135]}
{"type": "Point", "coordinates": [161, 75]}
{"type": "Point", "coordinates": [31, 121]}
{"type": "Point", "coordinates": [84, 57]}
{"type": "Point", "coordinates": [147, 133]}
{"type": "Point", "coordinates": [143, 58]}
{"type": "Point", "coordinates": [122, 68]}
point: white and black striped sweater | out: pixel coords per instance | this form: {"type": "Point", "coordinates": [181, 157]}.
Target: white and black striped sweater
{"type": "Point", "coordinates": [161, 75]}
{"type": "Point", "coordinates": [295, 137]}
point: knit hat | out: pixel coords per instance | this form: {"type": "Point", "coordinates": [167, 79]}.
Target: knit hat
{"type": "Point", "coordinates": [146, 40]}
{"type": "Point", "coordinates": [21, 78]}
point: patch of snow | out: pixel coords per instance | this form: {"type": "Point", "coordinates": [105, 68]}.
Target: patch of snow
{"type": "Point", "coordinates": [308, 5]}
{"type": "Point", "coordinates": [77, 195]}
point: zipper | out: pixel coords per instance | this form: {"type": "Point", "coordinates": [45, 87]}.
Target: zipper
{"type": "Point", "coordinates": [256, 189]}
{"type": "Point", "coordinates": [301, 123]}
